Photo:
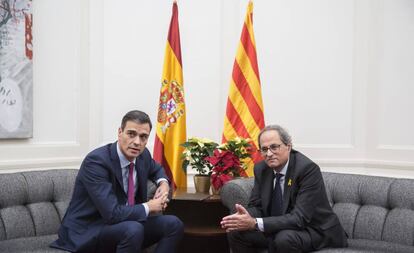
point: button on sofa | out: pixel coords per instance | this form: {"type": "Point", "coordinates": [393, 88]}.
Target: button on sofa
{"type": "Point", "coordinates": [377, 213]}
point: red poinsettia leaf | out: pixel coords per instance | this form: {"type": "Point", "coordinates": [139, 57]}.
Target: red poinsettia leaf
{"type": "Point", "coordinates": [215, 180]}
{"type": "Point", "coordinates": [225, 178]}
{"type": "Point", "coordinates": [242, 173]}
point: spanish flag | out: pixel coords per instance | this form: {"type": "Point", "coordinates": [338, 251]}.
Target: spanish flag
{"type": "Point", "coordinates": [171, 122]}
{"type": "Point", "coordinates": [244, 113]}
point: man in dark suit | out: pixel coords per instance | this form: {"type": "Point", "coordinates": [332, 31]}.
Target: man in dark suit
{"type": "Point", "coordinates": [288, 210]}
{"type": "Point", "coordinates": [109, 210]}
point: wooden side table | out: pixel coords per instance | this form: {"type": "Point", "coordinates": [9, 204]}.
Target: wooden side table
{"type": "Point", "coordinates": [201, 214]}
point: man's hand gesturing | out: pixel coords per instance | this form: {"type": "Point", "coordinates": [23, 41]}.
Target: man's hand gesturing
{"type": "Point", "coordinates": [158, 204]}
{"type": "Point", "coordinates": [239, 221]}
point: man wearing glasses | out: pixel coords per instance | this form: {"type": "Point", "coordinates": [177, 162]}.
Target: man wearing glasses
{"type": "Point", "coordinates": [288, 210]}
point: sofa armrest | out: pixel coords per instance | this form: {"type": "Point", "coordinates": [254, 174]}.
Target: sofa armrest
{"type": "Point", "coordinates": [152, 187]}
{"type": "Point", "coordinates": [236, 191]}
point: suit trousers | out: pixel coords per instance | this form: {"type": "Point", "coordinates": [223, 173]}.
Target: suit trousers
{"type": "Point", "coordinates": [133, 236]}
{"type": "Point", "coordinates": [285, 241]}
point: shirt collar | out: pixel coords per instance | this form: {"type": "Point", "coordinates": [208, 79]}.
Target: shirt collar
{"type": "Point", "coordinates": [284, 170]}
{"type": "Point", "coordinates": [122, 159]}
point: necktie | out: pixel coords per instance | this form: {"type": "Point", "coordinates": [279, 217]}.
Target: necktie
{"type": "Point", "coordinates": [277, 201]}
{"type": "Point", "coordinates": [131, 188]}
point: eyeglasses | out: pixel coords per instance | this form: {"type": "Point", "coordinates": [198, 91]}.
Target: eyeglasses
{"type": "Point", "coordinates": [273, 148]}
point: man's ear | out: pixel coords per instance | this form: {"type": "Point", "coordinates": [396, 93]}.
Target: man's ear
{"type": "Point", "coordinates": [119, 131]}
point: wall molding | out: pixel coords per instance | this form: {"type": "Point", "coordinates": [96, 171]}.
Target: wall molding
{"type": "Point", "coordinates": [321, 146]}
{"type": "Point", "coordinates": [39, 164]}
{"type": "Point", "coordinates": [48, 144]}
{"type": "Point", "coordinates": [396, 147]}
{"type": "Point", "coordinates": [364, 163]}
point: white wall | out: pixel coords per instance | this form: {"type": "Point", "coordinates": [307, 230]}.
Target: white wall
{"type": "Point", "coordinates": [338, 74]}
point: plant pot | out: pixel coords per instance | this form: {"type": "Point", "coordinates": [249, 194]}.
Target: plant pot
{"type": "Point", "coordinates": [214, 191]}
{"type": "Point", "coordinates": [202, 183]}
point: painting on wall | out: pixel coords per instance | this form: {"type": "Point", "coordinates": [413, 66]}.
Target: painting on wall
{"type": "Point", "coordinates": [16, 69]}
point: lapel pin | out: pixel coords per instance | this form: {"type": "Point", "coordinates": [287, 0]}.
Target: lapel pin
{"type": "Point", "coordinates": [290, 182]}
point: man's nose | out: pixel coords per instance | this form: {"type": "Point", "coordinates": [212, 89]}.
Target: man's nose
{"type": "Point", "coordinates": [269, 152]}
{"type": "Point", "coordinates": [136, 140]}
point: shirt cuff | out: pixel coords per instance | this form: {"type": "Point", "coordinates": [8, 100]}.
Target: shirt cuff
{"type": "Point", "coordinates": [160, 180]}
{"type": "Point", "coordinates": [146, 208]}
{"type": "Point", "coordinates": [260, 224]}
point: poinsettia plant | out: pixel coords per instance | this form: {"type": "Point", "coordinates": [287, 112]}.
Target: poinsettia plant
{"type": "Point", "coordinates": [195, 152]}
{"type": "Point", "coordinates": [229, 160]}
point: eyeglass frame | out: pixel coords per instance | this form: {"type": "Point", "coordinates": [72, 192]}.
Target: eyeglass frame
{"type": "Point", "coordinates": [274, 148]}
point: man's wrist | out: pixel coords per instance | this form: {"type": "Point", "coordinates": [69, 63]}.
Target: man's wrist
{"type": "Point", "coordinates": [163, 181]}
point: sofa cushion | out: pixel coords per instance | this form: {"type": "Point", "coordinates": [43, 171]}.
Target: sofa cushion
{"type": "Point", "coordinates": [379, 246]}
{"type": "Point", "coordinates": [45, 218]}
{"type": "Point", "coordinates": [399, 226]}
{"type": "Point", "coordinates": [347, 213]}
{"type": "Point", "coordinates": [17, 222]}
{"type": "Point", "coordinates": [33, 203]}
{"type": "Point", "coordinates": [29, 244]}
{"type": "Point", "coordinates": [369, 222]}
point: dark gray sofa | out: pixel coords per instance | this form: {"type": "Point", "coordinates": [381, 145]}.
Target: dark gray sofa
{"type": "Point", "coordinates": [32, 205]}
{"type": "Point", "coordinates": [376, 212]}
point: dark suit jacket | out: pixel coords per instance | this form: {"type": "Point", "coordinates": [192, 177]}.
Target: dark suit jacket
{"type": "Point", "coordinates": [305, 204]}
{"type": "Point", "coordinates": [99, 198]}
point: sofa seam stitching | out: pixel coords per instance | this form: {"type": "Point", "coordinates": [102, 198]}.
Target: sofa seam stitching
{"type": "Point", "coordinates": [388, 208]}
{"type": "Point", "coordinates": [4, 227]}
{"type": "Point", "coordinates": [27, 197]}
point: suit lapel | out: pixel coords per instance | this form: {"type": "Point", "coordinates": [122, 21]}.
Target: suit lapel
{"type": "Point", "coordinates": [116, 165]}
{"type": "Point", "coordinates": [288, 184]}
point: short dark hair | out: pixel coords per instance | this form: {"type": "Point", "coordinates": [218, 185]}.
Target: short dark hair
{"type": "Point", "coordinates": [136, 116]}
{"type": "Point", "coordinates": [283, 133]}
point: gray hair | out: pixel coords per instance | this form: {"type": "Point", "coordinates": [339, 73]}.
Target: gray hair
{"type": "Point", "coordinates": [283, 133]}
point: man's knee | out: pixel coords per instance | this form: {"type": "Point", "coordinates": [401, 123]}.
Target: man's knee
{"type": "Point", "coordinates": [134, 231]}
{"type": "Point", "coordinates": [174, 224]}
{"type": "Point", "coordinates": [234, 236]}
{"type": "Point", "coordinates": [287, 241]}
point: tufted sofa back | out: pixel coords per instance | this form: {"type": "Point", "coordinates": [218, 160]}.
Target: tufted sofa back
{"type": "Point", "coordinates": [33, 203]}
{"type": "Point", "coordinates": [376, 212]}
{"type": "Point", "coordinates": [373, 208]}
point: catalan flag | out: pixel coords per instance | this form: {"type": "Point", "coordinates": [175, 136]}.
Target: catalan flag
{"type": "Point", "coordinates": [171, 122]}
{"type": "Point", "coordinates": [244, 113]}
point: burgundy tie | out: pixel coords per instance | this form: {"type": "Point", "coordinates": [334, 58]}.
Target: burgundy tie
{"type": "Point", "coordinates": [131, 188]}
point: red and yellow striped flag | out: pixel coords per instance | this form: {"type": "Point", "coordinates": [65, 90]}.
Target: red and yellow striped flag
{"type": "Point", "coordinates": [244, 113]}
{"type": "Point", "coordinates": [171, 122]}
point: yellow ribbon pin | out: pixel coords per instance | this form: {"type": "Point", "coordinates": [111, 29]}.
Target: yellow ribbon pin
{"type": "Point", "coordinates": [290, 182]}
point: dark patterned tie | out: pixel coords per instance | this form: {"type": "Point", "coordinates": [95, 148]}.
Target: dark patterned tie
{"type": "Point", "coordinates": [131, 188]}
{"type": "Point", "coordinates": [277, 201]}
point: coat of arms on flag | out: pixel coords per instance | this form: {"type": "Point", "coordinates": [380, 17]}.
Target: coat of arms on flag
{"type": "Point", "coordinates": [171, 106]}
